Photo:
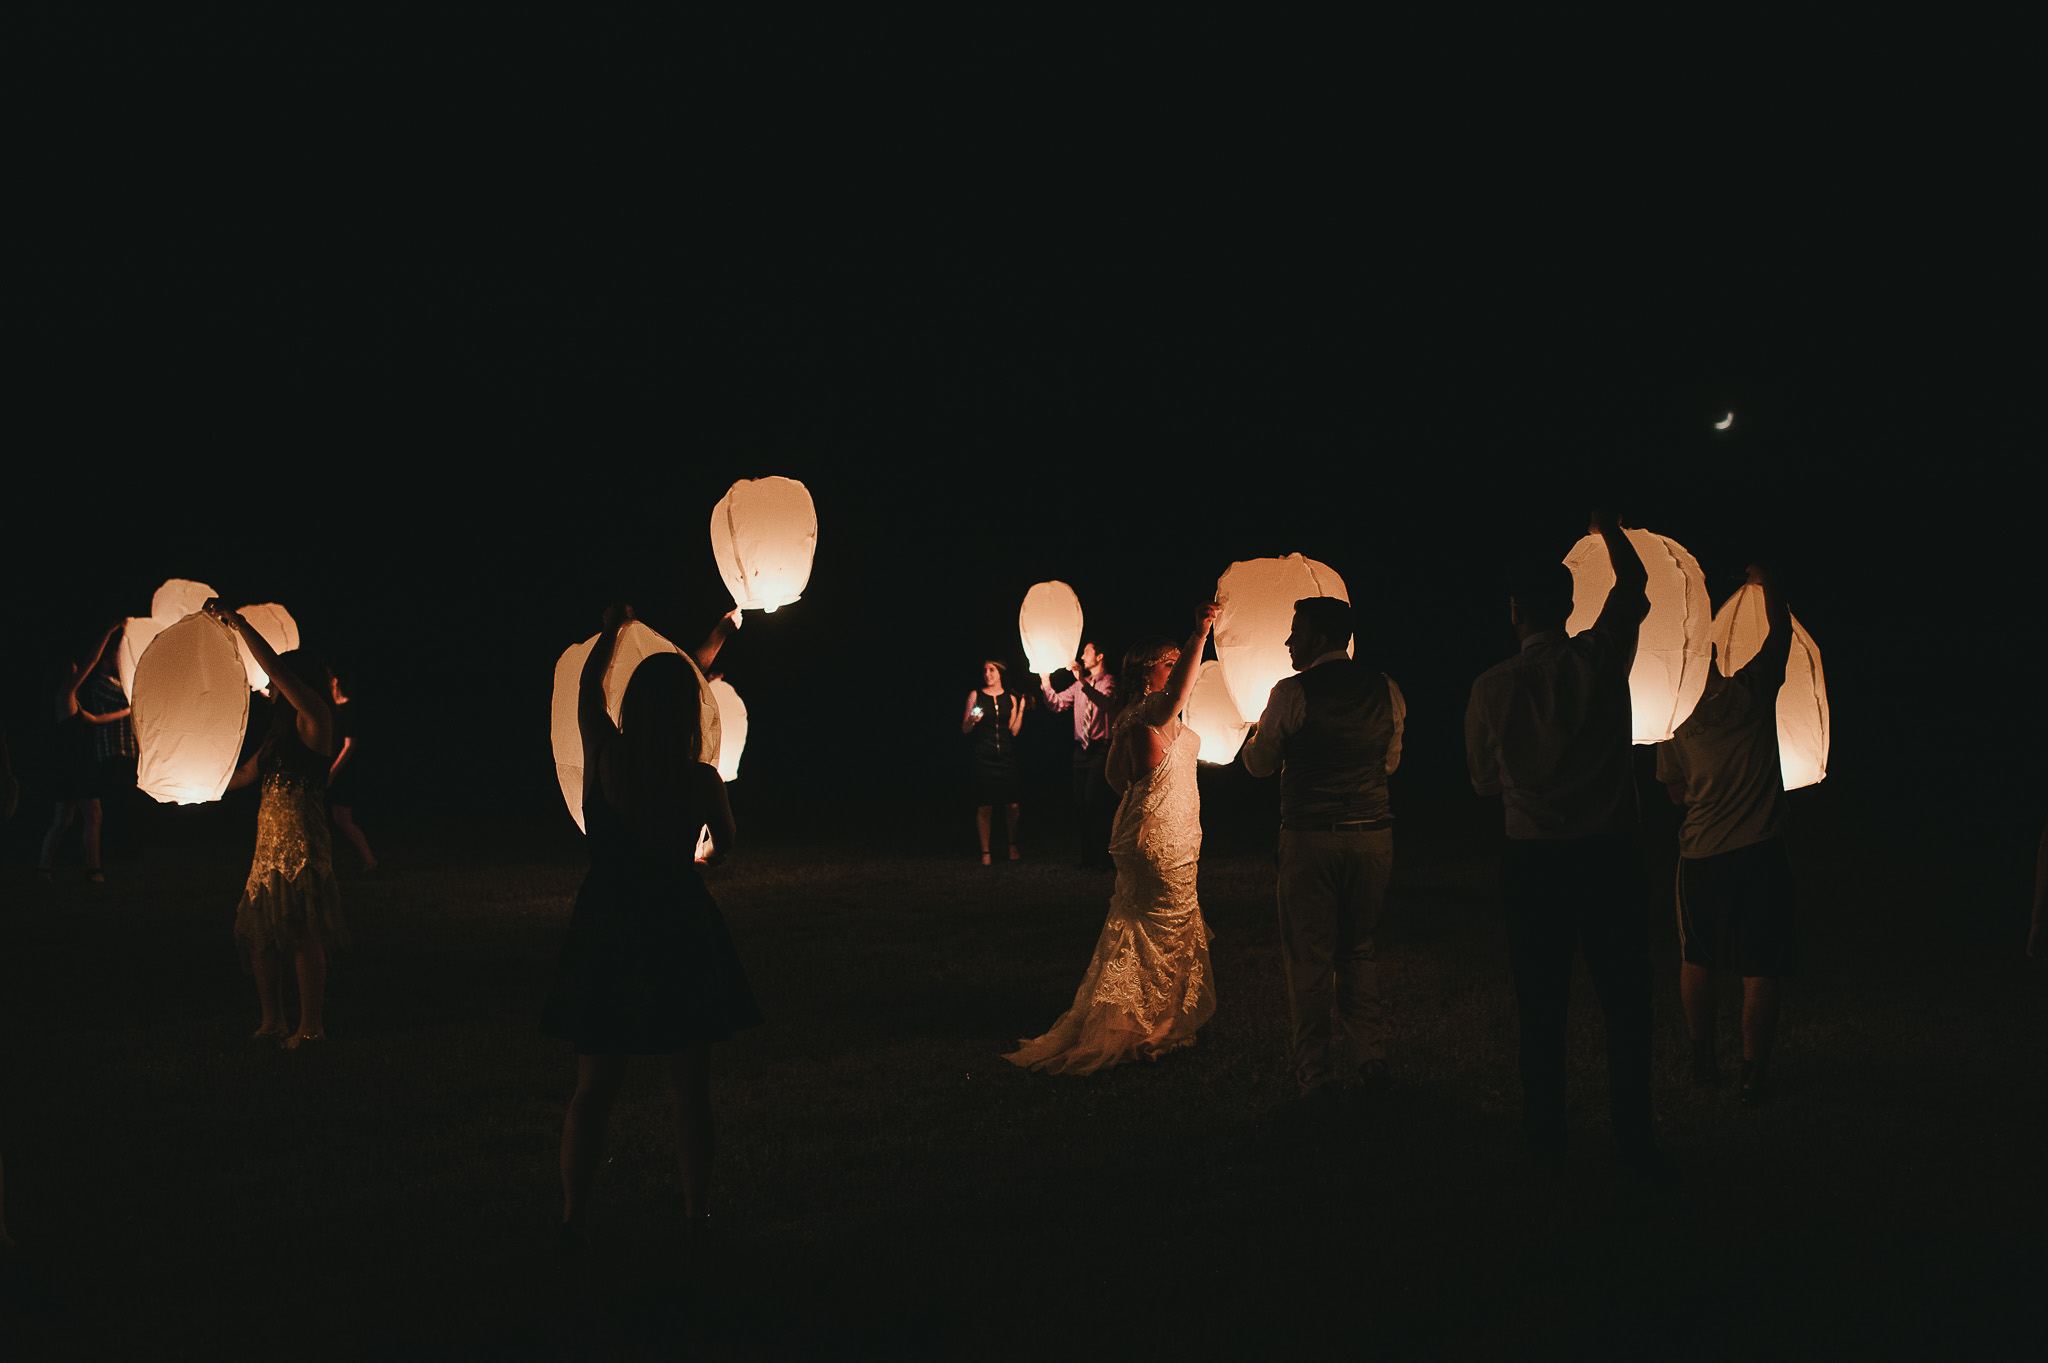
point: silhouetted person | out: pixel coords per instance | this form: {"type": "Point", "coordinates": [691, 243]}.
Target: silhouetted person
{"type": "Point", "coordinates": [290, 905]}
{"type": "Point", "coordinates": [1735, 900]}
{"type": "Point", "coordinates": [1333, 732]}
{"type": "Point", "coordinates": [1550, 731]}
{"type": "Point", "coordinates": [993, 716]}
{"type": "Point", "coordinates": [114, 753]}
{"type": "Point", "coordinates": [77, 773]}
{"type": "Point", "coordinates": [1088, 696]}
{"type": "Point", "coordinates": [1149, 986]}
{"type": "Point", "coordinates": [648, 967]}
{"type": "Point", "coordinates": [342, 777]}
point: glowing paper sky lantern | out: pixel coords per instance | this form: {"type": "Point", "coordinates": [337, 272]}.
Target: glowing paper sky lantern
{"type": "Point", "coordinates": [1213, 716]}
{"type": "Point", "coordinates": [278, 629]}
{"type": "Point", "coordinates": [177, 599]}
{"type": "Point", "coordinates": [1257, 597]}
{"type": "Point", "coordinates": [636, 642]}
{"type": "Point", "coordinates": [1739, 631]}
{"type": "Point", "coordinates": [136, 633]}
{"type": "Point", "coordinates": [764, 532]}
{"type": "Point", "coordinates": [1049, 623]}
{"type": "Point", "coordinates": [732, 727]}
{"type": "Point", "coordinates": [1671, 651]}
{"type": "Point", "coordinates": [191, 707]}
{"type": "Point", "coordinates": [173, 601]}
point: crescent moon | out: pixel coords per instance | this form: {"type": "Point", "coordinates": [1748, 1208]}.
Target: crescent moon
{"type": "Point", "coordinates": [1725, 422]}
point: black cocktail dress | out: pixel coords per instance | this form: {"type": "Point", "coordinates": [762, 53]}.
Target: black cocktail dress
{"type": "Point", "coordinates": [649, 966]}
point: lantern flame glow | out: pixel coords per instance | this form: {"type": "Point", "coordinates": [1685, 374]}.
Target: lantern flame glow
{"type": "Point", "coordinates": [732, 728]}
{"type": "Point", "coordinates": [172, 602]}
{"type": "Point", "coordinates": [764, 534]}
{"type": "Point", "coordinates": [1740, 628]}
{"type": "Point", "coordinates": [1672, 653]}
{"type": "Point", "coordinates": [1257, 597]}
{"type": "Point", "coordinates": [635, 643]}
{"type": "Point", "coordinates": [1049, 623]}
{"type": "Point", "coordinates": [1214, 718]}
{"type": "Point", "coordinates": [190, 711]}
{"type": "Point", "coordinates": [278, 629]}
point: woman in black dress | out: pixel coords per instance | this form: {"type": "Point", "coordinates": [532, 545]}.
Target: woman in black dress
{"type": "Point", "coordinates": [993, 717]}
{"type": "Point", "coordinates": [77, 773]}
{"type": "Point", "coordinates": [341, 777]}
{"type": "Point", "coordinates": [648, 967]}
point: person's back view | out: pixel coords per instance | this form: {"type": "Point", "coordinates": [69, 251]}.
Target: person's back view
{"type": "Point", "coordinates": [1548, 731]}
{"type": "Point", "coordinates": [1735, 900]}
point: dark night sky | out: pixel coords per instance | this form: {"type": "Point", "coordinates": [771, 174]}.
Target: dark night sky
{"type": "Point", "coordinates": [445, 331]}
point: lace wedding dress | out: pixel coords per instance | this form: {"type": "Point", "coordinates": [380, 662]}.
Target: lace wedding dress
{"type": "Point", "coordinates": [1148, 987]}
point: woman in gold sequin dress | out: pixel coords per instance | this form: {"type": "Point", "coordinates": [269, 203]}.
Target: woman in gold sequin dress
{"type": "Point", "coordinates": [1148, 987]}
{"type": "Point", "coordinates": [290, 903]}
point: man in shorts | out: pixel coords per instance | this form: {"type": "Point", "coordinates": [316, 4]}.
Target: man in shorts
{"type": "Point", "coordinates": [1734, 882]}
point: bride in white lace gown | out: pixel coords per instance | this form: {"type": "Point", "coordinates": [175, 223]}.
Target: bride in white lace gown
{"type": "Point", "coordinates": [1148, 986]}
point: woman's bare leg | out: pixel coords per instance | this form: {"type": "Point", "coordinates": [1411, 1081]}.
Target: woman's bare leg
{"type": "Point", "coordinates": [982, 822]}
{"type": "Point", "coordinates": [694, 1128]}
{"type": "Point", "coordinates": [61, 820]}
{"type": "Point", "coordinates": [598, 1079]}
{"type": "Point", "coordinates": [345, 820]}
{"type": "Point", "coordinates": [269, 972]}
{"type": "Point", "coordinates": [311, 960]}
{"type": "Point", "coordinates": [1010, 823]}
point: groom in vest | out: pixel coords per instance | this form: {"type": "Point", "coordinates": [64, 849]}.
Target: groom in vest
{"type": "Point", "coordinates": [1333, 732]}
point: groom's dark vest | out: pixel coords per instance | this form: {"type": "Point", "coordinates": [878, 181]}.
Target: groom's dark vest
{"type": "Point", "coordinates": [1336, 764]}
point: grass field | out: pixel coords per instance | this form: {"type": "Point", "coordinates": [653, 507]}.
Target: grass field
{"type": "Point", "coordinates": [890, 1187]}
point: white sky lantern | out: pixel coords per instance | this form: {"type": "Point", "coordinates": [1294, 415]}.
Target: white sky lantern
{"type": "Point", "coordinates": [636, 642]}
{"type": "Point", "coordinates": [278, 629]}
{"type": "Point", "coordinates": [1739, 631]}
{"type": "Point", "coordinates": [177, 599]}
{"type": "Point", "coordinates": [191, 708]}
{"type": "Point", "coordinates": [172, 602]}
{"type": "Point", "coordinates": [1257, 599]}
{"type": "Point", "coordinates": [135, 637]}
{"type": "Point", "coordinates": [764, 532]}
{"type": "Point", "coordinates": [1049, 623]}
{"type": "Point", "coordinates": [1671, 651]}
{"type": "Point", "coordinates": [732, 727]}
{"type": "Point", "coordinates": [1214, 718]}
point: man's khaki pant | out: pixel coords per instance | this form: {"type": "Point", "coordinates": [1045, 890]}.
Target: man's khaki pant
{"type": "Point", "coordinates": [1331, 889]}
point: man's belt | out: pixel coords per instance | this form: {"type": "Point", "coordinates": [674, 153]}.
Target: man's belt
{"type": "Point", "coordinates": [1352, 826]}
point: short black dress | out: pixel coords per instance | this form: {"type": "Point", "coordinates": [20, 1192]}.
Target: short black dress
{"type": "Point", "coordinates": [995, 752]}
{"type": "Point", "coordinates": [648, 967]}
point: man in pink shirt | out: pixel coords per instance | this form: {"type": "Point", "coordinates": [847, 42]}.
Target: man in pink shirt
{"type": "Point", "coordinates": [1088, 698]}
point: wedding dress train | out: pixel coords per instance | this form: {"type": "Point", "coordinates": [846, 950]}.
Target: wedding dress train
{"type": "Point", "coordinates": [1148, 986]}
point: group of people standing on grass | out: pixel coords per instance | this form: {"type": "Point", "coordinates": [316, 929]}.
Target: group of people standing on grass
{"type": "Point", "coordinates": [290, 908]}
{"type": "Point", "coordinates": [1547, 730]}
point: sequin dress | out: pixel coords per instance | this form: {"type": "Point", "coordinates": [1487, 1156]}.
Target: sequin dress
{"type": "Point", "coordinates": [291, 887]}
{"type": "Point", "coordinates": [1148, 987]}
{"type": "Point", "coordinates": [648, 967]}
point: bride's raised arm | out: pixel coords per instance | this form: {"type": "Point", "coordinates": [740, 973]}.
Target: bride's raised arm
{"type": "Point", "coordinates": [1180, 683]}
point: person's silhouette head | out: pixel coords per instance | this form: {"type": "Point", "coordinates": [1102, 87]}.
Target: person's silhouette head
{"type": "Point", "coordinates": [1539, 596]}
{"type": "Point", "coordinates": [662, 712]}
{"type": "Point", "coordinates": [1321, 624]}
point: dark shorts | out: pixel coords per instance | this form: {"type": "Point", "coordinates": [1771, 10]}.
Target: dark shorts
{"type": "Point", "coordinates": [1735, 911]}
